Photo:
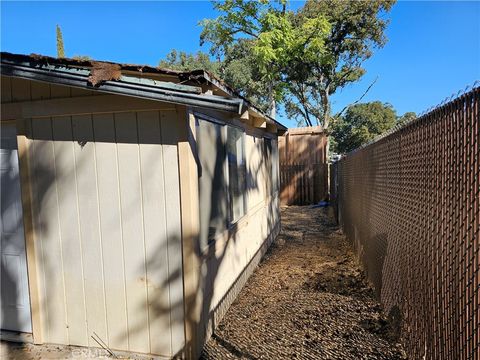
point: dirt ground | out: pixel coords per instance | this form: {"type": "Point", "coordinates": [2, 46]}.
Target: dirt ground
{"type": "Point", "coordinates": [307, 300]}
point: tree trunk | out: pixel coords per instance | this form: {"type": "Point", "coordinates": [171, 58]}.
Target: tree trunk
{"type": "Point", "coordinates": [273, 109]}
{"type": "Point", "coordinates": [326, 108]}
{"type": "Point", "coordinates": [272, 105]}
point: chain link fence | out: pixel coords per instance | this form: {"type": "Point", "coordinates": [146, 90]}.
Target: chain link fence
{"type": "Point", "coordinates": [410, 204]}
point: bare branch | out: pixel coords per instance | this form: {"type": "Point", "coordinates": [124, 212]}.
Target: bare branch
{"type": "Point", "coordinates": [359, 99]}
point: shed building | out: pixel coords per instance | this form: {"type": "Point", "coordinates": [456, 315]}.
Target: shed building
{"type": "Point", "coordinates": [135, 203]}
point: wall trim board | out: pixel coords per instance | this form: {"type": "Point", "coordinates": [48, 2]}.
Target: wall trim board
{"type": "Point", "coordinates": [190, 231]}
{"type": "Point", "coordinates": [29, 231]}
{"type": "Point", "coordinates": [81, 105]}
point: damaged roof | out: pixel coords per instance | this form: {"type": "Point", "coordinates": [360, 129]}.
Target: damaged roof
{"type": "Point", "coordinates": [181, 87]}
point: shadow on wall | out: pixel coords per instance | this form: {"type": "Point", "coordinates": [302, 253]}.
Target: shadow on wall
{"type": "Point", "coordinates": [216, 253]}
{"type": "Point", "coordinates": [83, 246]}
{"type": "Point", "coordinates": [60, 224]}
{"type": "Point", "coordinates": [13, 231]}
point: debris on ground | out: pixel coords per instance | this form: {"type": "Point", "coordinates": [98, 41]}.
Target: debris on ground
{"type": "Point", "coordinates": [308, 299]}
{"type": "Point", "coordinates": [27, 351]}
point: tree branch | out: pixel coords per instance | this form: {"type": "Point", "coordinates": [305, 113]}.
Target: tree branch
{"type": "Point", "coordinates": [359, 99]}
{"type": "Point", "coordinates": [238, 30]}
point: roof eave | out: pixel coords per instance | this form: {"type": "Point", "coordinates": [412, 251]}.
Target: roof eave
{"type": "Point", "coordinates": [231, 92]}
{"type": "Point", "coordinates": [78, 73]}
{"type": "Point", "coordinates": [125, 85]}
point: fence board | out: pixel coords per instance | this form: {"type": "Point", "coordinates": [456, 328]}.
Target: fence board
{"type": "Point", "coordinates": [303, 166]}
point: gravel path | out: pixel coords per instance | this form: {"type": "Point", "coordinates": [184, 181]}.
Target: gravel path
{"type": "Point", "coordinates": [308, 300]}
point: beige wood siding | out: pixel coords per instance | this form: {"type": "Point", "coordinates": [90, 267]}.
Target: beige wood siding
{"type": "Point", "coordinates": [215, 275]}
{"type": "Point", "coordinates": [253, 229]}
{"type": "Point", "coordinates": [106, 213]}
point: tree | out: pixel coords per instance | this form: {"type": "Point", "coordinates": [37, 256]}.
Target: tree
{"type": "Point", "coordinates": [269, 34]}
{"type": "Point", "coordinates": [284, 52]}
{"type": "Point", "coordinates": [357, 27]}
{"type": "Point", "coordinates": [303, 56]}
{"type": "Point", "coordinates": [238, 26]}
{"type": "Point", "coordinates": [60, 49]}
{"type": "Point", "coordinates": [361, 124]}
{"type": "Point", "coordinates": [180, 60]}
{"type": "Point", "coordinates": [407, 117]}
{"type": "Point", "coordinates": [239, 70]}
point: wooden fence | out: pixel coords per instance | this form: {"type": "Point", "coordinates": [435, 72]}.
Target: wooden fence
{"type": "Point", "coordinates": [303, 166]}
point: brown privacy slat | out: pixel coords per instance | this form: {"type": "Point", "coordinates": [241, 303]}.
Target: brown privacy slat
{"type": "Point", "coordinates": [410, 204]}
{"type": "Point", "coordinates": [303, 170]}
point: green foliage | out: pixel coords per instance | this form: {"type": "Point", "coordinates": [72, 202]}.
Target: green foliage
{"type": "Point", "coordinates": [356, 28]}
{"type": "Point", "coordinates": [261, 29]}
{"type": "Point", "coordinates": [407, 117]}
{"type": "Point", "coordinates": [361, 124]}
{"type": "Point", "coordinates": [283, 42]}
{"type": "Point", "coordinates": [180, 60]}
{"type": "Point", "coordinates": [60, 49]}
{"type": "Point", "coordinates": [302, 57]}
{"type": "Point", "coordinates": [239, 19]}
{"type": "Point", "coordinates": [269, 33]}
{"type": "Point", "coordinates": [242, 71]}
{"type": "Point", "coordinates": [238, 70]}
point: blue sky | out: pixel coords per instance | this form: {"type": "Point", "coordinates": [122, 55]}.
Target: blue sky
{"type": "Point", "coordinates": [433, 49]}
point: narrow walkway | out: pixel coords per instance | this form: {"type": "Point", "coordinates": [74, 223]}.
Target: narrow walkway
{"type": "Point", "coordinates": [307, 300]}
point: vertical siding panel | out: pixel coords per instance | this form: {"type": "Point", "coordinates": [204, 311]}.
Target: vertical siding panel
{"type": "Point", "coordinates": [110, 230]}
{"type": "Point", "coordinates": [69, 227]}
{"type": "Point", "coordinates": [261, 181]}
{"type": "Point", "coordinates": [36, 228]}
{"type": "Point", "coordinates": [169, 131]}
{"type": "Point", "coordinates": [259, 169]}
{"type": "Point", "coordinates": [151, 157]}
{"type": "Point", "coordinates": [6, 86]}
{"type": "Point", "coordinates": [248, 158]}
{"type": "Point", "coordinates": [272, 212]}
{"type": "Point", "coordinates": [253, 146]}
{"type": "Point", "coordinates": [89, 226]}
{"type": "Point", "coordinates": [132, 228]}
{"type": "Point", "coordinates": [46, 214]}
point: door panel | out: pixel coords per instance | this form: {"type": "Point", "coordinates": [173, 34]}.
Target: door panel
{"type": "Point", "coordinates": [14, 299]}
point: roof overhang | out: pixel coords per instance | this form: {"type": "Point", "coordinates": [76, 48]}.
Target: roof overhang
{"type": "Point", "coordinates": [137, 81]}
{"type": "Point", "coordinates": [252, 109]}
{"type": "Point", "coordinates": [125, 85]}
